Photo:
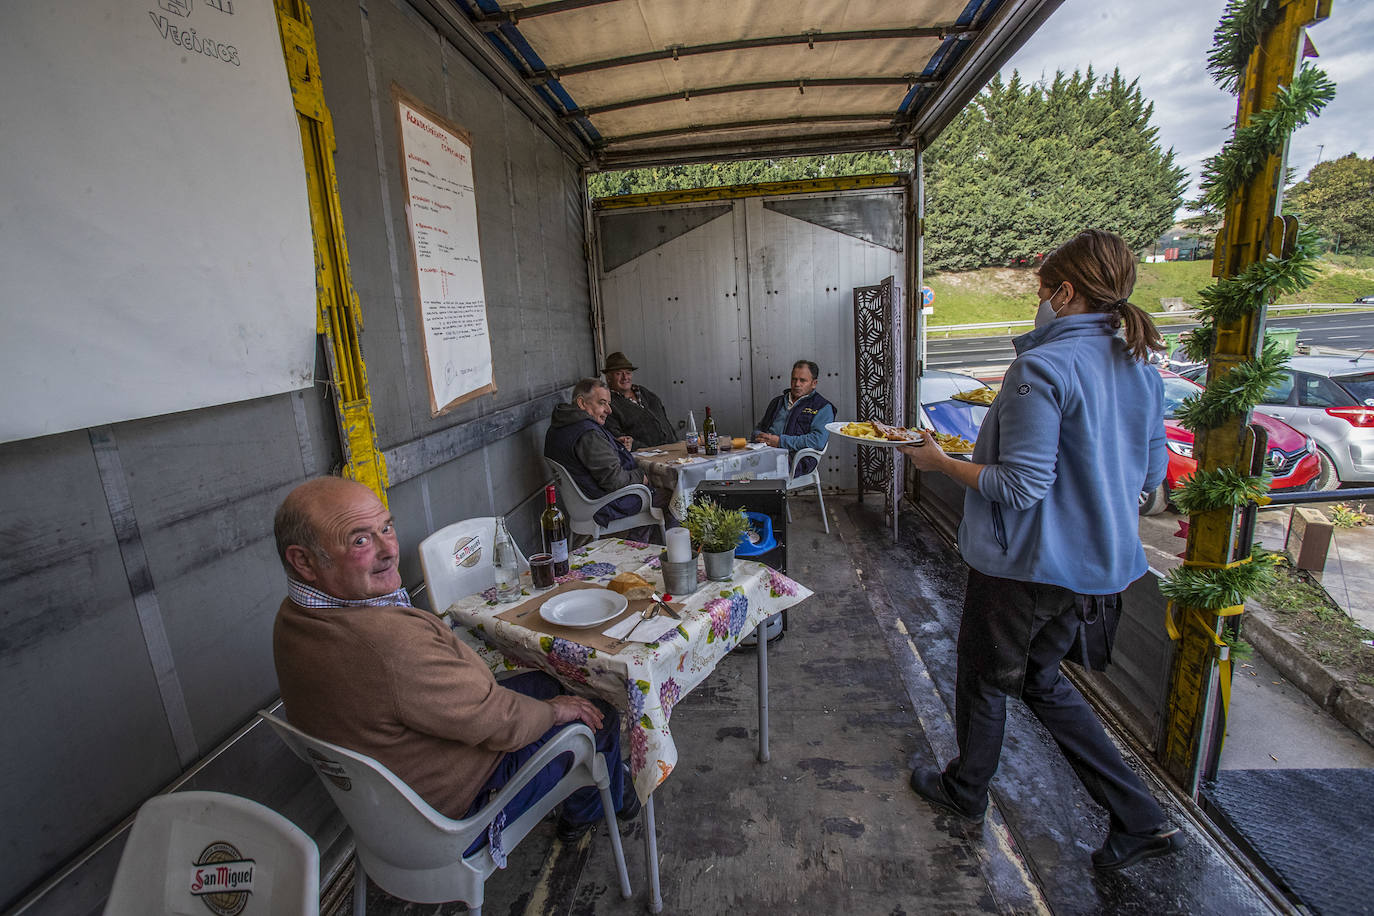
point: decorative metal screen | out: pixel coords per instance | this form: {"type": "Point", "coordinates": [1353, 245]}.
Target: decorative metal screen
{"type": "Point", "coordinates": [878, 386]}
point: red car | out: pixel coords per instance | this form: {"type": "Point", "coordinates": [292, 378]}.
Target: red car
{"type": "Point", "coordinates": [1292, 460]}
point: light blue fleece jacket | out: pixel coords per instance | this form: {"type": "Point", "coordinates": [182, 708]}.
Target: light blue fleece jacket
{"type": "Point", "coordinates": [1074, 436]}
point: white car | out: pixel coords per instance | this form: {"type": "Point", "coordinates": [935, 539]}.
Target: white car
{"type": "Point", "coordinates": [1331, 399]}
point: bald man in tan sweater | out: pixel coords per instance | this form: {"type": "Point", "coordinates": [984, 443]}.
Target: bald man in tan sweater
{"type": "Point", "coordinates": [361, 668]}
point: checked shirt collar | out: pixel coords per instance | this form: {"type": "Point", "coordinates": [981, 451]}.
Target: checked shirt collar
{"type": "Point", "coordinates": [305, 596]}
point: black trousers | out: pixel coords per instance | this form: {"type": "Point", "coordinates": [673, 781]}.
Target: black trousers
{"type": "Point", "coordinates": [980, 705]}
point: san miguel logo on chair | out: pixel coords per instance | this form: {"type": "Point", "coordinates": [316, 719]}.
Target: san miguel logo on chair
{"type": "Point", "coordinates": [467, 551]}
{"type": "Point", "coordinates": [223, 879]}
{"type": "Point", "coordinates": [331, 769]}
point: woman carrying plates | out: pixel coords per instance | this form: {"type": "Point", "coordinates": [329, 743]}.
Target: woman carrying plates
{"type": "Point", "coordinates": [1050, 521]}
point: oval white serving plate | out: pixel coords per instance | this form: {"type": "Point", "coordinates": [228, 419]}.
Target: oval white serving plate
{"type": "Point", "coordinates": [585, 607]}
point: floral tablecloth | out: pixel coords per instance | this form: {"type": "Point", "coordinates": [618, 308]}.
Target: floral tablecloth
{"type": "Point", "coordinates": [672, 468]}
{"type": "Point", "coordinates": [645, 680]}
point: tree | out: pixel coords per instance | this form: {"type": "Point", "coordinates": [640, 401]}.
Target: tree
{"type": "Point", "coordinates": [1337, 199]}
{"type": "Point", "coordinates": [1025, 166]}
{"type": "Point", "coordinates": [748, 171]}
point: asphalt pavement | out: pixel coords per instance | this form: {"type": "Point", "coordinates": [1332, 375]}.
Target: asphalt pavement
{"type": "Point", "coordinates": [987, 357]}
{"type": "Point", "coordinates": [1348, 577]}
{"type": "Point", "coordinates": [1286, 712]}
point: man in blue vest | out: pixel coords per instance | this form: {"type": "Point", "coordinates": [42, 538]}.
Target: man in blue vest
{"type": "Point", "coordinates": [600, 463]}
{"type": "Point", "coordinates": [796, 418]}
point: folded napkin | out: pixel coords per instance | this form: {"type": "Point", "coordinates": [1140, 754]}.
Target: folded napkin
{"type": "Point", "coordinates": [633, 629]}
{"type": "Point", "coordinates": [645, 453]}
{"type": "Point", "coordinates": [755, 446]}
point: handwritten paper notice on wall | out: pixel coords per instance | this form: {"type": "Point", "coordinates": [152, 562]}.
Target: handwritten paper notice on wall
{"type": "Point", "coordinates": [441, 210]}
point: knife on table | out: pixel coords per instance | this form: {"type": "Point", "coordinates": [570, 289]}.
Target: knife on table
{"type": "Point", "coordinates": [662, 601]}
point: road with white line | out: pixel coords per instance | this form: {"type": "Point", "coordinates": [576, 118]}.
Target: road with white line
{"type": "Point", "coordinates": [988, 357]}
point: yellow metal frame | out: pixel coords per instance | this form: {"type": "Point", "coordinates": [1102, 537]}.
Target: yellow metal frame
{"type": "Point", "coordinates": [765, 189]}
{"type": "Point", "coordinates": [1252, 232]}
{"type": "Point", "coordinates": [338, 317]}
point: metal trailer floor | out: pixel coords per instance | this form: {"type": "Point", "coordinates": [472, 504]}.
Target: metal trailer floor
{"type": "Point", "coordinates": [1310, 828]}
{"type": "Point", "coordinates": [861, 689]}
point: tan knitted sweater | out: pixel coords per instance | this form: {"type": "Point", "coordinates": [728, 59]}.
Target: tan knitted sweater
{"type": "Point", "coordinates": [396, 684]}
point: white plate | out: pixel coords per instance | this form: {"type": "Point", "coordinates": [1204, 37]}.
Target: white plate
{"type": "Point", "coordinates": [835, 427]}
{"type": "Point", "coordinates": [585, 607]}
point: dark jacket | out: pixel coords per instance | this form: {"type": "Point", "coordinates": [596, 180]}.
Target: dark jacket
{"type": "Point", "coordinates": [646, 422]}
{"type": "Point", "coordinates": [799, 422]}
{"type": "Point", "coordinates": [597, 462]}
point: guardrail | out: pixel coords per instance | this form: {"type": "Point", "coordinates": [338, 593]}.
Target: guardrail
{"type": "Point", "coordinates": [1184, 313]}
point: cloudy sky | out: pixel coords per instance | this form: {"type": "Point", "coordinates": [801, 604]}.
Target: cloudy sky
{"type": "Point", "coordinates": [1165, 44]}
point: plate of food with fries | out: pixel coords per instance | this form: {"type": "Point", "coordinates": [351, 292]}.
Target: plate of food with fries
{"type": "Point", "coordinates": [875, 432]}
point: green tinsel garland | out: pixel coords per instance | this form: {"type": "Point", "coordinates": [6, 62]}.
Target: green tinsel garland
{"type": "Point", "coordinates": [1242, 157]}
{"type": "Point", "coordinates": [1214, 589]}
{"type": "Point", "coordinates": [1199, 342]}
{"type": "Point", "coordinates": [1224, 488]}
{"type": "Point", "coordinates": [1233, 393]}
{"type": "Point", "coordinates": [1245, 153]}
{"type": "Point", "coordinates": [1231, 298]}
{"type": "Point", "coordinates": [1236, 36]}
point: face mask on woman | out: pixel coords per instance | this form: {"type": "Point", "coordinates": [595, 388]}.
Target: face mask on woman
{"type": "Point", "coordinates": [1047, 312]}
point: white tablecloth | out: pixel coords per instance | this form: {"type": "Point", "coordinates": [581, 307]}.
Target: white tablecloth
{"type": "Point", "coordinates": [674, 469]}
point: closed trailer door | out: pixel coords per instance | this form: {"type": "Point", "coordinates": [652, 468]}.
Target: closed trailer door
{"type": "Point", "coordinates": [670, 291]}
{"type": "Point", "coordinates": [715, 301]}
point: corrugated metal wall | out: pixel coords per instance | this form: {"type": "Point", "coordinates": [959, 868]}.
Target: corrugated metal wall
{"type": "Point", "coordinates": [714, 301]}
{"type": "Point", "coordinates": [139, 580]}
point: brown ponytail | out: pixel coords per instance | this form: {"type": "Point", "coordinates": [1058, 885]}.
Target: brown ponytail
{"type": "Point", "coordinates": [1101, 268]}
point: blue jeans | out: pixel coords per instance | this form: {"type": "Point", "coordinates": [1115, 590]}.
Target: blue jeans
{"type": "Point", "coordinates": [582, 806]}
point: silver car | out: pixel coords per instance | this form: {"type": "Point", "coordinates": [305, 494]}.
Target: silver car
{"type": "Point", "coordinates": [1331, 399]}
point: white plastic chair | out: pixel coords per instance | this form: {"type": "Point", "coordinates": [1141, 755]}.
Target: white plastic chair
{"type": "Point", "coordinates": [447, 580]}
{"type": "Point", "coordinates": [582, 510]}
{"type": "Point", "coordinates": [174, 835]}
{"type": "Point", "coordinates": [414, 852]}
{"type": "Point", "coordinates": [806, 480]}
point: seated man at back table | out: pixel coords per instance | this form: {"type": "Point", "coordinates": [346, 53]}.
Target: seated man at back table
{"type": "Point", "coordinates": [600, 463]}
{"type": "Point", "coordinates": [636, 412]}
{"type": "Point", "coordinates": [360, 667]}
{"type": "Point", "coordinates": [796, 418]}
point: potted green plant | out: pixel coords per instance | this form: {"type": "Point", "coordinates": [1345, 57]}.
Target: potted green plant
{"type": "Point", "coordinates": [716, 530]}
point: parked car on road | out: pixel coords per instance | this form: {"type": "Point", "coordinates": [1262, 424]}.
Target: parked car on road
{"type": "Point", "coordinates": [1291, 460]}
{"type": "Point", "coordinates": [941, 412]}
{"type": "Point", "coordinates": [1331, 399]}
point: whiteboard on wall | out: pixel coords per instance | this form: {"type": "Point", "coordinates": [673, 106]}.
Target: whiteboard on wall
{"type": "Point", "coordinates": [441, 213]}
{"type": "Point", "coordinates": [155, 247]}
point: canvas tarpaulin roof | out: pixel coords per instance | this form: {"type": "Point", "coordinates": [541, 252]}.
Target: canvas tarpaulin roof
{"type": "Point", "coordinates": [634, 82]}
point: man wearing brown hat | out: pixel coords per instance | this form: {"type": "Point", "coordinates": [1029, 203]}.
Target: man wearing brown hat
{"type": "Point", "coordinates": [636, 412]}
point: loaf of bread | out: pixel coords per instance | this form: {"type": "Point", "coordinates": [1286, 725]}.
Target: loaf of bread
{"type": "Point", "coordinates": [738, 442]}
{"type": "Point", "coordinates": [633, 587]}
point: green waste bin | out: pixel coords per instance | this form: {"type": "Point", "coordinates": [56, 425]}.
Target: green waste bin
{"type": "Point", "coordinates": [1285, 338]}
{"type": "Point", "coordinates": [1171, 343]}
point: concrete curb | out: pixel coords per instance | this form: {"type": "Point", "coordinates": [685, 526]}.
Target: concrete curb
{"type": "Point", "coordinates": [1350, 703]}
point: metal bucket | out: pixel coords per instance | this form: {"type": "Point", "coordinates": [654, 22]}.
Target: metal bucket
{"type": "Point", "coordinates": [678, 578]}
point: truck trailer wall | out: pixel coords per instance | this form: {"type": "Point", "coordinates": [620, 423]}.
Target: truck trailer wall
{"type": "Point", "coordinates": [715, 300]}
{"type": "Point", "coordinates": [139, 578]}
